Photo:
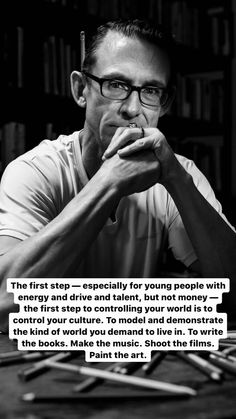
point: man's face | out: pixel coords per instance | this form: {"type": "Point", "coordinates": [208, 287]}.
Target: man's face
{"type": "Point", "coordinates": [136, 62]}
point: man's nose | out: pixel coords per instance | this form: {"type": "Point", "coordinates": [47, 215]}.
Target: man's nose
{"type": "Point", "coordinates": [132, 105]}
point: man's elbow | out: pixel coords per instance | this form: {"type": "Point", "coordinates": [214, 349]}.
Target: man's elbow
{"type": "Point", "coordinates": [7, 306]}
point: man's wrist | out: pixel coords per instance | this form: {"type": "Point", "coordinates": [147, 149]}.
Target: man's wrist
{"type": "Point", "coordinates": [178, 180]}
{"type": "Point", "coordinates": [107, 184]}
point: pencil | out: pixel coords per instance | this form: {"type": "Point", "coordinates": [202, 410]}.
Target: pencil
{"type": "Point", "coordinates": [224, 355]}
{"type": "Point", "coordinates": [12, 354]}
{"type": "Point", "coordinates": [202, 365]}
{"type": "Point", "coordinates": [34, 356]}
{"type": "Point", "coordinates": [231, 341]}
{"type": "Point", "coordinates": [138, 395]}
{"type": "Point", "coordinates": [156, 359]}
{"type": "Point", "coordinates": [125, 379]}
{"type": "Point", "coordinates": [231, 334]}
{"type": "Point", "coordinates": [226, 365]}
{"type": "Point", "coordinates": [226, 344]}
{"type": "Point", "coordinates": [40, 367]}
{"type": "Point", "coordinates": [119, 365]}
{"type": "Point", "coordinates": [229, 350]}
{"type": "Point", "coordinates": [91, 382]}
{"type": "Point", "coordinates": [82, 49]}
{"type": "Point", "coordinates": [130, 367]}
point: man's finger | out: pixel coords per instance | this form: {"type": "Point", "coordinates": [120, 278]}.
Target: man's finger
{"type": "Point", "coordinates": [152, 142]}
{"type": "Point", "coordinates": [119, 141]}
{"type": "Point", "coordinates": [137, 145]}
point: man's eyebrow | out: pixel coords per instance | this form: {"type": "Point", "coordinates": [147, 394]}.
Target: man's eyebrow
{"type": "Point", "coordinates": [122, 77]}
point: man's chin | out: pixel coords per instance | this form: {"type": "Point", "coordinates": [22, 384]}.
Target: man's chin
{"type": "Point", "coordinates": [110, 131]}
{"type": "Point", "coordinates": [107, 134]}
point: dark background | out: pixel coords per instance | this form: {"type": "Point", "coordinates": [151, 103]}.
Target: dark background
{"type": "Point", "coordinates": [39, 43]}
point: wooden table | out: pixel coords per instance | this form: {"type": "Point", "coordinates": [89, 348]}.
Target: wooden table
{"type": "Point", "coordinates": [213, 400]}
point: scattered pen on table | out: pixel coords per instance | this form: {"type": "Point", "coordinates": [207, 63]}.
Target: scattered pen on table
{"type": "Point", "coordinates": [156, 359]}
{"type": "Point", "coordinates": [226, 345]}
{"type": "Point", "coordinates": [29, 357]}
{"type": "Point", "coordinates": [119, 365]}
{"type": "Point", "coordinates": [129, 367]}
{"type": "Point", "coordinates": [229, 350]}
{"type": "Point", "coordinates": [136, 395]}
{"type": "Point", "coordinates": [231, 341]}
{"type": "Point", "coordinates": [231, 334]}
{"type": "Point", "coordinates": [221, 354]}
{"type": "Point", "coordinates": [12, 354]}
{"type": "Point", "coordinates": [126, 379]}
{"type": "Point", "coordinates": [91, 382]}
{"type": "Point", "coordinates": [40, 367]}
{"type": "Point", "coordinates": [224, 364]}
{"type": "Point", "coordinates": [212, 372]}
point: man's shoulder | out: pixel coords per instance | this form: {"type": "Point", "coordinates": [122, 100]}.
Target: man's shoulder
{"type": "Point", "coordinates": [45, 161]}
{"type": "Point", "coordinates": [191, 167]}
{"type": "Point", "coordinates": [61, 145]}
{"type": "Point", "coordinates": [186, 162]}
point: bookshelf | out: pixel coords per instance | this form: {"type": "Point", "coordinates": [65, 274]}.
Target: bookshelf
{"type": "Point", "coordinates": [39, 44]}
{"type": "Point", "coordinates": [233, 107]}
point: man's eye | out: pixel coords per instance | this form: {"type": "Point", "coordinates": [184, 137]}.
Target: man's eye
{"type": "Point", "coordinates": [117, 84]}
{"type": "Point", "coordinates": [151, 91]}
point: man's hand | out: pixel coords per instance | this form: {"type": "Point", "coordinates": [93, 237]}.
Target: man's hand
{"type": "Point", "coordinates": [130, 142]}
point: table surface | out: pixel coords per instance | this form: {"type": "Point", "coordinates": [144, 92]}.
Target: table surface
{"type": "Point", "coordinates": [213, 400]}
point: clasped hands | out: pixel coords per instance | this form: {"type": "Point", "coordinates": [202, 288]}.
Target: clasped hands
{"type": "Point", "coordinates": [128, 141]}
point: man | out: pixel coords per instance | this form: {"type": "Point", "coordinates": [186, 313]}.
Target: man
{"type": "Point", "coordinates": [105, 201]}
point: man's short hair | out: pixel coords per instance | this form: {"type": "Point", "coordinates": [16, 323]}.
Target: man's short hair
{"type": "Point", "coordinates": [133, 28]}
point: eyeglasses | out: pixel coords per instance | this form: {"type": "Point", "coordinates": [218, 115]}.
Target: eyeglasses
{"type": "Point", "coordinates": [116, 89]}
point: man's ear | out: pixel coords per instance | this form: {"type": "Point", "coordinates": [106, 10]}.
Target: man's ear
{"type": "Point", "coordinates": [171, 96]}
{"type": "Point", "coordinates": [77, 88]}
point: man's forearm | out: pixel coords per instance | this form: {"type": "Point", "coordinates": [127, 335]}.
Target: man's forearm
{"type": "Point", "coordinates": [63, 242]}
{"type": "Point", "coordinates": [213, 240]}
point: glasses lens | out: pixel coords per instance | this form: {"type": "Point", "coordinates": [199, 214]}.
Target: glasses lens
{"type": "Point", "coordinates": [152, 96]}
{"type": "Point", "coordinates": [165, 98]}
{"type": "Point", "coordinates": [115, 89]}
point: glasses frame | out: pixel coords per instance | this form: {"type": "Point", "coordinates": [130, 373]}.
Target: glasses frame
{"type": "Point", "coordinates": [101, 80]}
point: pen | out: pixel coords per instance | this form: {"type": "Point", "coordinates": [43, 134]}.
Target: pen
{"type": "Point", "coordinates": [231, 341]}
{"type": "Point", "coordinates": [24, 358]}
{"type": "Point", "coordinates": [226, 365]}
{"type": "Point", "coordinates": [130, 367]}
{"type": "Point", "coordinates": [231, 334]}
{"type": "Point", "coordinates": [40, 367]}
{"type": "Point", "coordinates": [214, 373]}
{"type": "Point", "coordinates": [156, 359]}
{"type": "Point", "coordinates": [127, 367]}
{"type": "Point", "coordinates": [126, 379]}
{"type": "Point", "coordinates": [229, 350]}
{"type": "Point", "coordinates": [55, 398]}
{"type": "Point", "coordinates": [119, 365]}
{"type": "Point", "coordinates": [12, 354]}
{"type": "Point", "coordinates": [224, 355]}
{"type": "Point", "coordinates": [92, 382]}
{"type": "Point", "coordinates": [226, 345]}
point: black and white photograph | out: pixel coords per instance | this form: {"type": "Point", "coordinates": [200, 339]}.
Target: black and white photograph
{"type": "Point", "coordinates": [118, 209]}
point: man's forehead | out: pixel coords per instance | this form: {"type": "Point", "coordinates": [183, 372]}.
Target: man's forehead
{"type": "Point", "coordinates": [115, 41]}
{"type": "Point", "coordinates": [114, 45]}
{"type": "Point", "coordinates": [116, 49]}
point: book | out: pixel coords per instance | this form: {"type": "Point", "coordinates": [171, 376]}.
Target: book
{"type": "Point", "coordinates": [13, 141]}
